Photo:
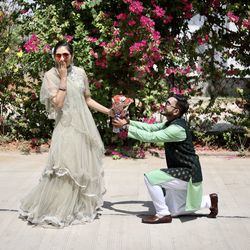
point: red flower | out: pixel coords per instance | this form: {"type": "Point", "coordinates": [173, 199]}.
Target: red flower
{"type": "Point", "coordinates": [232, 17]}
{"type": "Point", "coordinates": [123, 134]}
{"type": "Point", "coordinates": [101, 62]}
{"type": "Point", "coordinates": [98, 84]}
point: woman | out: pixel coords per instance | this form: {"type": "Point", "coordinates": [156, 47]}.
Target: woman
{"type": "Point", "coordinates": [71, 187]}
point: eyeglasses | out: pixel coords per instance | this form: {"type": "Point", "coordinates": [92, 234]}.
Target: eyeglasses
{"type": "Point", "coordinates": [169, 104]}
{"type": "Point", "coordinates": [59, 56]}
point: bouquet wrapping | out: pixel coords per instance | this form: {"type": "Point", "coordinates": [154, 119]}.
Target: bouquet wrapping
{"type": "Point", "coordinates": [120, 104]}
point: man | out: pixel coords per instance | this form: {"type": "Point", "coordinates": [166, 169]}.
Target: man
{"type": "Point", "coordinates": [177, 189]}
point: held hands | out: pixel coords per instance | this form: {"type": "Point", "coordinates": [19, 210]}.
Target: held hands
{"type": "Point", "coordinates": [119, 123]}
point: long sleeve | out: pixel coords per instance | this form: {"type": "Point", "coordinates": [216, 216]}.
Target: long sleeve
{"type": "Point", "coordinates": [147, 127]}
{"type": "Point", "coordinates": [172, 133]}
{"type": "Point", "coordinates": [49, 89]}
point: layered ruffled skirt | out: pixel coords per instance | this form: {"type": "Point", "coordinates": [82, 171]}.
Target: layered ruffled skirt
{"type": "Point", "coordinates": [71, 188]}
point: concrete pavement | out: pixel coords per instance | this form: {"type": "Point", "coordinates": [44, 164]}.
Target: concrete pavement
{"type": "Point", "coordinates": [119, 226]}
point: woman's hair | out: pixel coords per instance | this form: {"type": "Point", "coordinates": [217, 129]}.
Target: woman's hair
{"type": "Point", "coordinates": [182, 103]}
{"type": "Point", "coordinates": [63, 44]}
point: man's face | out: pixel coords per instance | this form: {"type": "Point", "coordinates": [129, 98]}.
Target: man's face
{"type": "Point", "coordinates": [171, 108]}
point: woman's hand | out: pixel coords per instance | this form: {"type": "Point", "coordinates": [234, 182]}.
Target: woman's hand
{"type": "Point", "coordinates": [62, 69]}
{"type": "Point", "coordinates": [119, 123]}
{"type": "Point", "coordinates": [111, 113]}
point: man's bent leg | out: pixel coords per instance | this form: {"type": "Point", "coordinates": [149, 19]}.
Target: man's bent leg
{"type": "Point", "coordinates": [162, 213]}
{"type": "Point", "coordinates": [158, 198]}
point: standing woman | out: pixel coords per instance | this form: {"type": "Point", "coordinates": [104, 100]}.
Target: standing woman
{"type": "Point", "coordinates": [71, 187]}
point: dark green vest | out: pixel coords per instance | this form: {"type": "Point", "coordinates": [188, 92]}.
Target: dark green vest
{"type": "Point", "coordinates": [182, 161]}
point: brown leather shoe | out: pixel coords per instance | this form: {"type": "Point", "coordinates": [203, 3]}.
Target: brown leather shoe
{"type": "Point", "coordinates": [214, 206]}
{"type": "Point", "coordinates": [153, 219]}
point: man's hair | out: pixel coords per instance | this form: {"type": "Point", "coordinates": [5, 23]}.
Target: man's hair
{"type": "Point", "coordinates": [63, 44]}
{"type": "Point", "coordinates": [182, 103]}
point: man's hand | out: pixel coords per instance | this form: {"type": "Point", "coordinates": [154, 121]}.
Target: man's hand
{"type": "Point", "coordinates": [119, 123]}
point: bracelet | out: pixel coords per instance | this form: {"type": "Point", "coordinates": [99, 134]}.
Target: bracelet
{"type": "Point", "coordinates": [62, 89]}
{"type": "Point", "coordinates": [110, 112]}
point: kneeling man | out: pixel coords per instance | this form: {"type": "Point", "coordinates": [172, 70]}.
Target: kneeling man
{"type": "Point", "coordinates": [177, 189]}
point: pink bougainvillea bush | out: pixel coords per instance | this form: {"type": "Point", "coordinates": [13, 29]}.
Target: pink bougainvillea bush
{"type": "Point", "coordinates": [142, 49]}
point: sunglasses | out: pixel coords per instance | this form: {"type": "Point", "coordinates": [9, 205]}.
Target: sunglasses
{"type": "Point", "coordinates": [64, 55]}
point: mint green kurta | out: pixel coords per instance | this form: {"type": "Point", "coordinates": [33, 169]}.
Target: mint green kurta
{"type": "Point", "coordinates": [161, 133]}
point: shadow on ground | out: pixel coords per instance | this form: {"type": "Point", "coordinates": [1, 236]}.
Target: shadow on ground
{"type": "Point", "coordinates": [149, 210]}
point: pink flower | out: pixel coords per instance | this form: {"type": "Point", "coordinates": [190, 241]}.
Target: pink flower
{"type": "Point", "coordinates": [140, 154]}
{"type": "Point", "coordinates": [136, 7]}
{"type": "Point", "coordinates": [122, 16]}
{"type": "Point", "coordinates": [101, 62]}
{"type": "Point", "coordinates": [159, 12]}
{"type": "Point", "coordinates": [123, 134]}
{"type": "Point", "coordinates": [170, 71]}
{"type": "Point", "coordinates": [188, 15]}
{"type": "Point", "coordinates": [149, 120]}
{"type": "Point", "coordinates": [129, 34]}
{"type": "Point", "coordinates": [78, 4]}
{"type": "Point", "coordinates": [23, 11]}
{"type": "Point", "coordinates": [246, 23]}
{"type": "Point", "coordinates": [91, 39]}
{"type": "Point", "coordinates": [46, 48]}
{"type": "Point", "coordinates": [155, 54]}
{"type": "Point", "coordinates": [68, 38]}
{"type": "Point", "coordinates": [156, 35]}
{"type": "Point", "coordinates": [232, 17]}
{"type": "Point", "coordinates": [93, 53]}
{"type": "Point", "coordinates": [34, 142]}
{"type": "Point", "coordinates": [127, 1]}
{"type": "Point", "coordinates": [116, 153]}
{"type": "Point", "coordinates": [102, 44]}
{"type": "Point", "coordinates": [116, 32]}
{"type": "Point", "coordinates": [131, 23]}
{"type": "Point", "coordinates": [147, 22]}
{"type": "Point", "coordinates": [215, 3]}
{"type": "Point", "coordinates": [176, 91]}
{"type": "Point", "coordinates": [184, 71]}
{"type": "Point", "coordinates": [198, 69]}
{"type": "Point", "coordinates": [188, 7]}
{"type": "Point", "coordinates": [32, 44]}
{"type": "Point", "coordinates": [168, 19]}
{"type": "Point", "coordinates": [136, 47]}
{"type": "Point", "coordinates": [116, 24]}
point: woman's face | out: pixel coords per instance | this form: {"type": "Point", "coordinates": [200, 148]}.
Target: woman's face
{"type": "Point", "coordinates": [63, 55]}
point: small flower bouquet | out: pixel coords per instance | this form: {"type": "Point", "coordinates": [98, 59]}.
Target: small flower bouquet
{"type": "Point", "coordinates": [120, 104]}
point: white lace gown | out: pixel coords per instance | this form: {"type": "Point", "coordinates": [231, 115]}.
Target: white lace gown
{"type": "Point", "coordinates": [71, 187]}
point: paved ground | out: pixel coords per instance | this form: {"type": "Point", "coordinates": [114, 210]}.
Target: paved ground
{"type": "Point", "coordinates": [119, 226]}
